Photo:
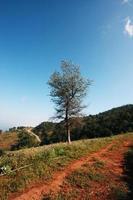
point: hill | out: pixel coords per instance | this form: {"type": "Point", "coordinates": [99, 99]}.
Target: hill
{"type": "Point", "coordinates": [115, 121]}
{"type": "Point", "coordinates": [82, 168]}
{"type": "Point", "coordinates": [17, 138]}
{"type": "Point", "coordinates": [112, 122]}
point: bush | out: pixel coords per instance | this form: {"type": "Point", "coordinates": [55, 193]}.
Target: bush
{"type": "Point", "coordinates": [25, 141]}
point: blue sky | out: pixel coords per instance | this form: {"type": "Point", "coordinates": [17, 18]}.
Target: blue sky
{"type": "Point", "coordinates": [35, 35]}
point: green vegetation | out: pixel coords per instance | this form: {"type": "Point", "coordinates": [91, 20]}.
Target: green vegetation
{"type": "Point", "coordinates": [28, 166]}
{"type": "Point", "coordinates": [112, 122]}
{"type": "Point", "coordinates": [79, 181]}
{"type": "Point", "coordinates": [99, 164]}
{"type": "Point", "coordinates": [115, 121]}
{"type": "Point", "coordinates": [25, 140]}
{"type": "Point", "coordinates": [81, 178]}
{"type": "Point", "coordinates": [45, 131]}
{"type": "Point", "coordinates": [68, 88]}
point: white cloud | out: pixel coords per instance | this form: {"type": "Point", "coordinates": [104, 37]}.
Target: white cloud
{"type": "Point", "coordinates": [128, 2]}
{"type": "Point", "coordinates": [129, 27]}
{"type": "Point", "coordinates": [125, 1]}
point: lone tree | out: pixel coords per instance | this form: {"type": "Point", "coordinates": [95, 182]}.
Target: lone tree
{"type": "Point", "coordinates": [68, 88]}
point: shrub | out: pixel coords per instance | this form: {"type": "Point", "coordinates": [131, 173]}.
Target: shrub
{"type": "Point", "coordinates": [25, 141]}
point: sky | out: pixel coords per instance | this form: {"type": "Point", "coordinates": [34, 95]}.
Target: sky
{"type": "Point", "coordinates": [35, 35]}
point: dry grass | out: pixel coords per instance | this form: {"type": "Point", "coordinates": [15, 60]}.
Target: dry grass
{"type": "Point", "coordinates": [7, 140]}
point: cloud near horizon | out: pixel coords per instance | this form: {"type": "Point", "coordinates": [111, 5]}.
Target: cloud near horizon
{"type": "Point", "coordinates": [129, 27]}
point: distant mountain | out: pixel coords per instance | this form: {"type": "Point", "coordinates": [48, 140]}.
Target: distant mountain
{"type": "Point", "coordinates": [115, 121]}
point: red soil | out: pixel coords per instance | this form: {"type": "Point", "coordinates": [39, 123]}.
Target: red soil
{"type": "Point", "coordinates": [57, 181]}
{"type": "Point", "coordinates": [113, 171]}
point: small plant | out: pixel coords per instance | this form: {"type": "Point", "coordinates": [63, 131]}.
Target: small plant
{"type": "Point", "coordinates": [6, 169]}
{"type": "Point", "coordinates": [79, 178]}
{"type": "Point", "coordinates": [93, 176]}
{"type": "Point", "coordinates": [99, 164]}
{"type": "Point", "coordinates": [2, 152]}
{"type": "Point", "coordinates": [59, 151]}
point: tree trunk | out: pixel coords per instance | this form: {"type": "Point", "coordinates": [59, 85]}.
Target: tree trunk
{"type": "Point", "coordinates": [67, 125]}
{"type": "Point", "coordinates": [68, 131]}
{"type": "Point", "coordinates": [68, 135]}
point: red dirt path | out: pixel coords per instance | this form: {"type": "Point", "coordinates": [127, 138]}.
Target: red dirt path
{"type": "Point", "coordinates": [112, 171]}
{"type": "Point", "coordinates": [53, 186]}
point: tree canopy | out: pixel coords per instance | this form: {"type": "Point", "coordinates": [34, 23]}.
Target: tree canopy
{"type": "Point", "coordinates": [68, 88]}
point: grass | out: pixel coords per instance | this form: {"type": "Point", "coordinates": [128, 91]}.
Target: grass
{"type": "Point", "coordinates": [41, 162]}
{"type": "Point", "coordinates": [7, 140]}
{"type": "Point", "coordinates": [73, 194]}
{"type": "Point", "coordinates": [82, 177]}
{"type": "Point", "coordinates": [80, 183]}
{"type": "Point", "coordinates": [124, 191]}
{"type": "Point", "coordinates": [99, 164]}
{"type": "Point", "coordinates": [79, 178]}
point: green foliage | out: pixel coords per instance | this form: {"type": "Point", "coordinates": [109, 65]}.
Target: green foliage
{"type": "Point", "coordinates": [115, 121]}
{"type": "Point", "coordinates": [44, 131]}
{"type": "Point", "coordinates": [67, 90]}
{"type": "Point", "coordinates": [25, 140]}
{"type": "Point", "coordinates": [112, 122]}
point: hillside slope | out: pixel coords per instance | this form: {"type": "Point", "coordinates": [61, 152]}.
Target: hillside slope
{"type": "Point", "coordinates": [36, 172]}
{"type": "Point", "coordinates": [112, 122]}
